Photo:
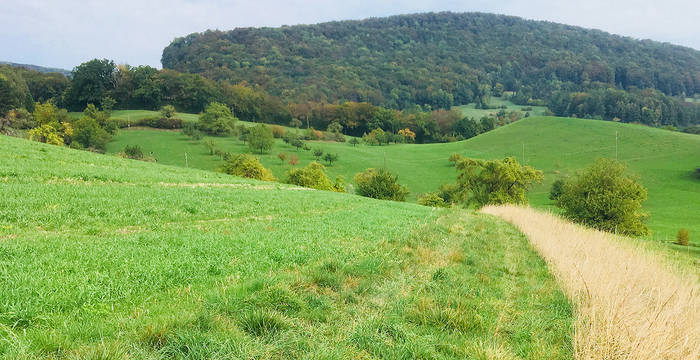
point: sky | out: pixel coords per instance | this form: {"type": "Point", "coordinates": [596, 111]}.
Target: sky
{"type": "Point", "coordinates": [65, 33]}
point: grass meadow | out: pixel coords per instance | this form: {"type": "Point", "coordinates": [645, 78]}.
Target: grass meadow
{"type": "Point", "coordinates": [663, 160]}
{"type": "Point", "coordinates": [108, 258]}
{"type": "Point", "coordinates": [471, 110]}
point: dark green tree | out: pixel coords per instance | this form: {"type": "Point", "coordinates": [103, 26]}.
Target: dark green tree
{"type": "Point", "coordinates": [92, 81]}
{"type": "Point", "coordinates": [14, 93]}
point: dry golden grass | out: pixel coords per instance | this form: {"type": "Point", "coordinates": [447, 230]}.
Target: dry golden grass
{"type": "Point", "coordinates": [629, 305]}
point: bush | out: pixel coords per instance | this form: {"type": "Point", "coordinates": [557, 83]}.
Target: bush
{"type": "Point", "coordinates": [370, 140]}
{"type": "Point", "coordinates": [88, 133]}
{"type": "Point", "coordinates": [211, 146]}
{"type": "Point", "coordinates": [244, 165]}
{"type": "Point", "coordinates": [133, 152]}
{"type": "Point", "coordinates": [282, 157]}
{"type": "Point", "coordinates": [455, 158]}
{"type": "Point", "coordinates": [354, 141]}
{"type": "Point", "coordinates": [46, 134]}
{"type": "Point", "coordinates": [335, 127]}
{"type": "Point", "coordinates": [20, 119]}
{"type": "Point", "coordinates": [407, 135]}
{"type": "Point", "coordinates": [295, 123]}
{"type": "Point", "coordinates": [495, 181]}
{"type": "Point", "coordinates": [167, 111]}
{"type": "Point", "coordinates": [683, 237]}
{"type": "Point", "coordinates": [293, 160]}
{"type": "Point", "coordinates": [451, 194]}
{"type": "Point", "coordinates": [318, 152]}
{"type": "Point", "coordinates": [556, 189]}
{"type": "Point", "coordinates": [313, 176]}
{"type": "Point", "coordinates": [278, 132]}
{"type": "Point", "coordinates": [217, 120]}
{"type": "Point", "coordinates": [338, 137]}
{"type": "Point", "coordinates": [380, 184]}
{"type": "Point", "coordinates": [161, 123]}
{"type": "Point", "coordinates": [376, 137]}
{"type": "Point", "coordinates": [432, 200]}
{"type": "Point", "coordinates": [603, 196]}
{"type": "Point", "coordinates": [190, 129]}
{"type": "Point", "coordinates": [311, 134]}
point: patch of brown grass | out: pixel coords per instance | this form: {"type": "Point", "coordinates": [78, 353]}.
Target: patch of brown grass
{"type": "Point", "coordinates": [629, 305]}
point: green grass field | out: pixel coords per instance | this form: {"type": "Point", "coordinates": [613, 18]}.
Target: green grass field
{"type": "Point", "coordinates": [471, 110]}
{"type": "Point", "coordinates": [663, 160]}
{"type": "Point", "coordinates": [107, 258]}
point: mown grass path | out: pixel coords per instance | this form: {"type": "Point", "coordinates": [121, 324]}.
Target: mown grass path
{"type": "Point", "coordinates": [628, 303]}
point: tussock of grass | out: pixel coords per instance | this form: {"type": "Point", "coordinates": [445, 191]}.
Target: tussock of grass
{"type": "Point", "coordinates": [262, 324]}
{"type": "Point", "coordinates": [628, 304]}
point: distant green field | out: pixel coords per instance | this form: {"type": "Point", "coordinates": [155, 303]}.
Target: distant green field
{"type": "Point", "coordinates": [471, 111]}
{"type": "Point", "coordinates": [663, 159]}
{"type": "Point", "coordinates": [135, 115]}
{"type": "Point", "coordinates": [107, 258]}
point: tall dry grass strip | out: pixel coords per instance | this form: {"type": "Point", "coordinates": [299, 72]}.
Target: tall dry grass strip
{"type": "Point", "coordinates": [628, 304]}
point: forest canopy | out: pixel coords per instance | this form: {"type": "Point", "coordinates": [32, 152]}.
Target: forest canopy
{"type": "Point", "coordinates": [434, 59]}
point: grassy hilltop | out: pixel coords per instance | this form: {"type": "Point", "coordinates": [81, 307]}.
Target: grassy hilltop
{"type": "Point", "coordinates": [102, 257]}
{"type": "Point", "coordinates": [664, 160]}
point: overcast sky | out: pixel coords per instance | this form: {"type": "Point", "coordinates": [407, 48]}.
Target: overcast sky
{"type": "Point", "coordinates": [65, 33]}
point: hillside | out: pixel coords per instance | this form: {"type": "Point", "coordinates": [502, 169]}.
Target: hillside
{"type": "Point", "coordinates": [663, 159]}
{"type": "Point", "coordinates": [102, 257]}
{"type": "Point", "coordinates": [439, 59]}
{"type": "Point", "coordinates": [38, 68]}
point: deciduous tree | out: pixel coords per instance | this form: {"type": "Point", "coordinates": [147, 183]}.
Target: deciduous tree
{"type": "Point", "coordinates": [260, 138]}
{"type": "Point", "coordinates": [605, 197]}
{"type": "Point", "coordinates": [495, 181]}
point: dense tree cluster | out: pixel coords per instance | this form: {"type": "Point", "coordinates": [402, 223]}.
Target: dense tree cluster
{"type": "Point", "coordinates": [649, 107]}
{"type": "Point", "coordinates": [434, 59]}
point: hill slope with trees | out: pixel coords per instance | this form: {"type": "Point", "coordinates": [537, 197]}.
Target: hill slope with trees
{"type": "Point", "coordinates": [435, 59]}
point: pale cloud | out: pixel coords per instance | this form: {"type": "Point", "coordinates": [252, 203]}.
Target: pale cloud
{"type": "Point", "coordinates": [66, 33]}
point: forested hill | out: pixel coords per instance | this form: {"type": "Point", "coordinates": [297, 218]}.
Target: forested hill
{"type": "Point", "coordinates": [38, 68]}
{"type": "Point", "coordinates": [439, 59]}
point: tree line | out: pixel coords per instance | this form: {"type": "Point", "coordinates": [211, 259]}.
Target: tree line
{"type": "Point", "coordinates": [108, 86]}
